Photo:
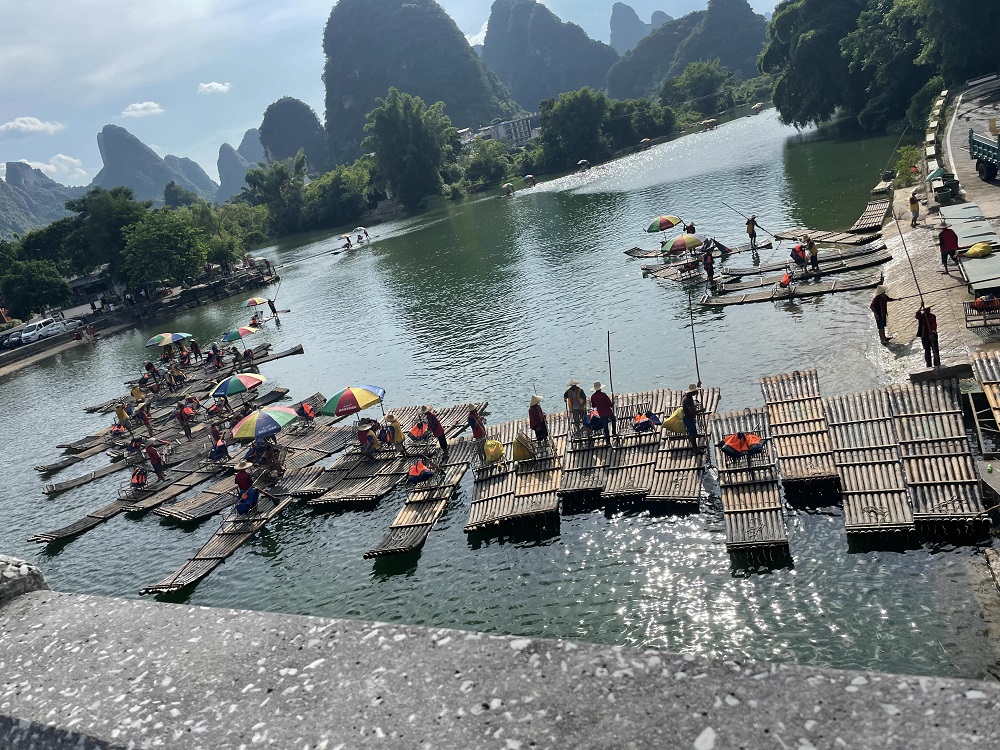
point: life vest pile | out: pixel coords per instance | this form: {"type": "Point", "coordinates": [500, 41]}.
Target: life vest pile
{"type": "Point", "coordinates": [419, 472]}
{"type": "Point", "coordinates": [742, 444]}
{"type": "Point", "coordinates": [118, 430]}
{"type": "Point", "coordinates": [139, 478]}
{"type": "Point", "coordinates": [306, 412]}
{"type": "Point", "coordinates": [646, 422]}
{"type": "Point", "coordinates": [420, 431]}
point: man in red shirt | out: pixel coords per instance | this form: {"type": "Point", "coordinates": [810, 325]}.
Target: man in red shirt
{"type": "Point", "coordinates": [948, 241]}
{"type": "Point", "coordinates": [927, 331]}
{"type": "Point", "coordinates": [242, 477]}
{"type": "Point", "coordinates": [880, 309]}
{"type": "Point", "coordinates": [154, 458]}
{"type": "Point", "coordinates": [605, 409]}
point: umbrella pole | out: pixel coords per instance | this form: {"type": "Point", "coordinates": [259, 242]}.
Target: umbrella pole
{"type": "Point", "coordinates": [611, 382]}
{"type": "Point", "coordinates": [694, 341]}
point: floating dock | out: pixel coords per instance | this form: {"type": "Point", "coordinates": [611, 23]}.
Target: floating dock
{"type": "Point", "coordinates": [825, 269]}
{"type": "Point", "coordinates": [751, 496]}
{"type": "Point", "coordinates": [826, 256]}
{"type": "Point", "coordinates": [797, 419]}
{"type": "Point", "coordinates": [794, 292]}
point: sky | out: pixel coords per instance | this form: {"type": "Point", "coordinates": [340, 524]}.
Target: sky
{"type": "Point", "coordinates": [184, 76]}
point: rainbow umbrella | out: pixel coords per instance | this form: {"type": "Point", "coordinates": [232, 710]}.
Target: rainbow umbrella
{"type": "Point", "coordinates": [353, 399]}
{"type": "Point", "coordinates": [264, 423]}
{"type": "Point", "coordinates": [683, 243]}
{"type": "Point", "coordinates": [241, 383]}
{"type": "Point", "coordinates": [238, 333]}
{"type": "Point", "coordinates": [162, 339]}
{"type": "Point", "coordinates": [663, 223]}
{"type": "Point", "coordinates": [254, 301]}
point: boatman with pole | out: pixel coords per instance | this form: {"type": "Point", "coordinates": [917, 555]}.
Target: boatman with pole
{"type": "Point", "coordinates": [752, 230]}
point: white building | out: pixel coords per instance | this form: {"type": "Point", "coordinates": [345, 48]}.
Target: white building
{"type": "Point", "coordinates": [515, 132]}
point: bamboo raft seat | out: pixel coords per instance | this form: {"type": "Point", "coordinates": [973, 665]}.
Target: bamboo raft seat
{"type": "Point", "coordinates": [751, 499]}
{"type": "Point", "coordinates": [425, 504]}
{"type": "Point", "coordinates": [234, 531]}
{"type": "Point", "coordinates": [828, 237]}
{"type": "Point", "coordinates": [825, 269]}
{"type": "Point", "coordinates": [937, 458]}
{"type": "Point", "coordinates": [826, 255]}
{"type": "Point", "coordinates": [794, 292]}
{"type": "Point", "coordinates": [872, 217]}
{"type": "Point", "coordinates": [865, 448]}
{"type": "Point", "coordinates": [799, 431]}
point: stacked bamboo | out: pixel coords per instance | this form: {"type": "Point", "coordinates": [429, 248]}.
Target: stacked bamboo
{"type": "Point", "coordinates": [867, 455]}
{"type": "Point", "coordinates": [751, 499]}
{"type": "Point", "coordinates": [799, 428]}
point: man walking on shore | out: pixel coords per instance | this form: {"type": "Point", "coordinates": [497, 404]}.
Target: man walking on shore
{"type": "Point", "coordinates": [914, 208]}
{"type": "Point", "coordinates": [948, 242]}
{"type": "Point", "coordinates": [927, 331]}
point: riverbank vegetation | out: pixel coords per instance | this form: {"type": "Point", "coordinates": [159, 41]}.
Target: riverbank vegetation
{"type": "Point", "coordinates": [880, 62]}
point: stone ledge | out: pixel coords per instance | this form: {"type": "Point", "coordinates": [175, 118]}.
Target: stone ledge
{"type": "Point", "coordinates": [84, 671]}
{"type": "Point", "coordinates": [18, 577]}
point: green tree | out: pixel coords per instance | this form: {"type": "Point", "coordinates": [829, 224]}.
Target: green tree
{"type": "Point", "coordinates": [803, 54]}
{"type": "Point", "coordinates": [489, 162]}
{"type": "Point", "coordinates": [885, 47]}
{"type": "Point", "coordinates": [572, 128]}
{"type": "Point", "coordinates": [32, 286]}
{"type": "Point", "coordinates": [48, 243]}
{"type": "Point", "coordinates": [102, 216]}
{"type": "Point", "coordinates": [706, 86]}
{"type": "Point", "coordinates": [411, 143]}
{"type": "Point", "coordinates": [163, 245]}
{"type": "Point", "coordinates": [278, 186]}
{"type": "Point", "coordinates": [174, 196]}
{"type": "Point", "coordinates": [960, 37]}
{"type": "Point", "coordinates": [8, 254]}
{"type": "Point", "coordinates": [339, 197]}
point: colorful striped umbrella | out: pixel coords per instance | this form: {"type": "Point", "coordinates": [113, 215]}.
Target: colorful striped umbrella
{"type": "Point", "coordinates": [353, 399]}
{"type": "Point", "coordinates": [238, 333]}
{"type": "Point", "coordinates": [162, 339]}
{"type": "Point", "coordinates": [264, 423]}
{"type": "Point", "coordinates": [663, 223]}
{"type": "Point", "coordinates": [241, 383]}
{"type": "Point", "coordinates": [683, 243]}
{"type": "Point", "coordinates": [254, 301]}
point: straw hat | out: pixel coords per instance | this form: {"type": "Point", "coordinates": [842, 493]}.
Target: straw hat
{"type": "Point", "coordinates": [945, 225]}
{"type": "Point", "coordinates": [426, 408]}
{"type": "Point", "coordinates": [598, 386]}
{"type": "Point", "coordinates": [880, 289]}
{"type": "Point", "coordinates": [390, 417]}
{"type": "Point", "coordinates": [693, 387]}
{"type": "Point", "coordinates": [243, 466]}
{"type": "Point", "coordinates": [535, 400]}
{"type": "Point", "coordinates": [572, 382]}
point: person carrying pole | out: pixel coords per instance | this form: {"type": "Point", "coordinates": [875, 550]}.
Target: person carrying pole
{"type": "Point", "coordinates": [752, 230]}
{"type": "Point", "coordinates": [690, 415]}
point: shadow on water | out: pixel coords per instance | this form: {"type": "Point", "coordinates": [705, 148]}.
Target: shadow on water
{"type": "Point", "coordinates": [384, 568]}
{"type": "Point", "coordinates": [539, 533]}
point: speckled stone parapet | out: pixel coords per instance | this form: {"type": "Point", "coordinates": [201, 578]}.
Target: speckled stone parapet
{"type": "Point", "coordinates": [91, 672]}
{"type": "Point", "coordinates": [18, 577]}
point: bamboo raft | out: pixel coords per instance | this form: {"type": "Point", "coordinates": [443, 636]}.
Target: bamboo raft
{"type": "Point", "coordinates": [825, 269]}
{"type": "Point", "coordinates": [425, 504]}
{"type": "Point", "coordinates": [800, 434]}
{"type": "Point", "coordinates": [826, 256]}
{"type": "Point", "coordinates": [936, 455]}
{"type": "Point", "coordinates": [751, 499]}
{"type": "Point", "coordinates": [872, 217]}
{"type": "Point", "coordinates": [234, 531]}
{"type": "Point", "coordinates": [638, 252]}
{"type": "Point", "coordinates": [793, 292]}
{"type": "Point", "coordinates": [865, 448]}
{"type": "Point", "coordinates": [828, 237]}
{"type": "Point", "coordinates": [986, 366]}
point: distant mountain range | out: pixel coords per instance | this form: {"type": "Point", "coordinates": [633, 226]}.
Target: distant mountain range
{"type": "Point", "coordinates": [627, 29]}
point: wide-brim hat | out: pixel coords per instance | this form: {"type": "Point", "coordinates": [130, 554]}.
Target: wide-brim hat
{"type": "Point", "coordinates": [693, 387]}
{"type": "Point", "coordinates": [572, 382]}
{"type": "Point", "coordinates": [390, 417]}
{"type": "Point", "coordinates": [535, 400]}
{"type": "Point", "coordinates": [598, 386]}
{"type": "Point", "coordinates": [243, 466]}
{"type": "Point", "coordinates": [880, 289]}
{"type": "Point", "coordinates": [426, 408]}
{"type": "Point", "coordinates": [945, 225]}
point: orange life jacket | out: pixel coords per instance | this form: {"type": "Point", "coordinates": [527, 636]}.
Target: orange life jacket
{"type": "Point", "coordinates": [308, 411]}
{"type": "Point", "coordinates": [786, 280]}
{"type": "Point", "coordinates": [139, 477]}
{"type": "Point", "coordinates": [742, 442]}
{"type": "Point", "coordinates": [419, 430]}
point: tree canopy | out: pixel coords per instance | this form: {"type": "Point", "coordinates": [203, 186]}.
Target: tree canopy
{"type": "Point", "coordinates": [31, 286]}
{"type": "Point", "coordinates": [163, 246]}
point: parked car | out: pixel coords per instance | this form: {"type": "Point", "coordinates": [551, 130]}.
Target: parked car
{"type": "Point", "coordinates": [59, 326]}
{"type": "Point", "coordinates": [12, 340]}
{"type": "Point", "coordinates": [32, 331]}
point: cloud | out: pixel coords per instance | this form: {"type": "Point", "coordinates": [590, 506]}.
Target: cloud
{"type": "Point", "coordinates": [479, 38]}
{"type": "Point", "coordinates": [24, 126]}
{"type": "Point", "coordinates": [214, 88]}
{"type": "Point", "coordinates": [143, 109]}
{"type": "Point", "coordinates": [62, 168]}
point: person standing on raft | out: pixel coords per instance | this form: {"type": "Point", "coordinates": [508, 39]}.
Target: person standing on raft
{"type": "Point", "coordinates": [576, 402]}
{"type": "Point", "coordinates": [436, 428]}
{"type": "Point", "coordinates": [752, 230]}
{"type": "Point", "coordinates": [880, 309]}
{"type": "Point", "coordinates": [927, 330]}
{"type": "Point", "coordinates": [605, 409]}
{"type": "Point", "coordinates": [536, 419]}
{"type": "Point", "coordinates": [689, 413]}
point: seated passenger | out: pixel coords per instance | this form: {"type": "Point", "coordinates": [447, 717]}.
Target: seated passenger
{"type": "Point", "coordinates": [419, 472]}
{"type": "Point", "coordinates": [248, 501]}
{"type": "Point", "coordinates": [367, 438]}
{"type": "Point", "coordinates": [306, 412]}
{"type": "Point", "coordinates": [219, 452]}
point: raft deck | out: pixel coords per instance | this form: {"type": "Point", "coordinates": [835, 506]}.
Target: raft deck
{"type": "Point", "coordinates": [797, 419]}
{"type": "Point", "coordinates": [795, 291]}
{"type": "Point", "coordinates": [826, 256]}
{"type": "Point", "coordinates": [827, 237]}
{"type": "Point", "coordinates": [825, 269]}
{"type": "Point", "coordinates": [751, 499]}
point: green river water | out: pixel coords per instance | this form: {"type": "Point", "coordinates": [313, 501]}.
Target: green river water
{"type": "Point", "coordinates": [487, 300]}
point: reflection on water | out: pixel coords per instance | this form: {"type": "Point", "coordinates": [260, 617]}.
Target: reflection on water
{"type": "Point", "coordinates": [491, 299]}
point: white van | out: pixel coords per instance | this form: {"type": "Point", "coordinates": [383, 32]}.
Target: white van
{"type": "Point", "coordinates": [32, 331]}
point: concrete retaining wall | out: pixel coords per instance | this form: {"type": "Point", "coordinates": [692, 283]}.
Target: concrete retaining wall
{"type": "Point", "coordinates": [93, 672]}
